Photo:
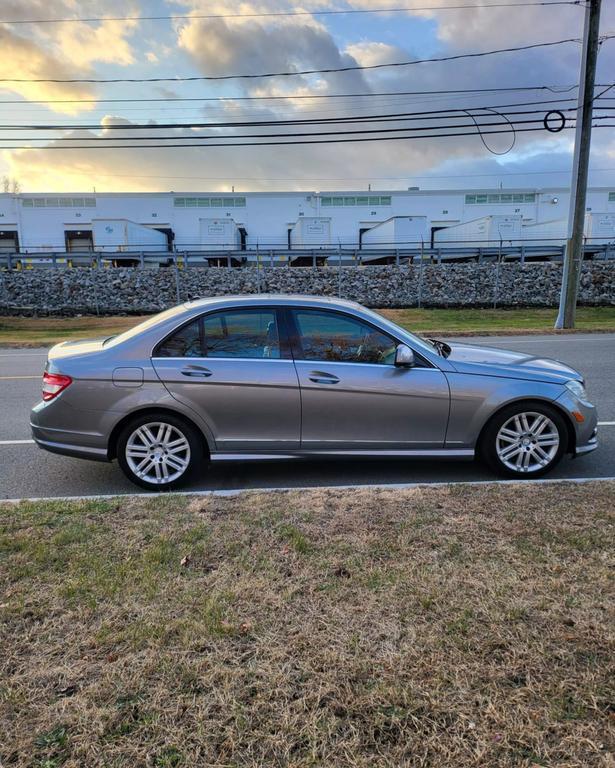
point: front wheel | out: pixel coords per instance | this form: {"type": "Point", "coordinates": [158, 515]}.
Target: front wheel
{"type": "Point", "coordinates": [524, 440]}
{"type": "Point", "coordinates": [159, 452]}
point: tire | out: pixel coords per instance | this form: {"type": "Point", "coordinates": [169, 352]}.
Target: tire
{"type": "Point", "coordinates": [524, 440]}
{"type": "Point", "coordinates": [159, 451]}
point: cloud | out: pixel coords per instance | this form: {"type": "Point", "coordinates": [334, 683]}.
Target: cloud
{"type": "Point", "coordinates": [61, 51]}
{"type": "Point", "coordinates": [25, 59]}
{"type": "Point", "coordinates": [236, 46]}
{"type": "Point", "coordinates": [230, 46]}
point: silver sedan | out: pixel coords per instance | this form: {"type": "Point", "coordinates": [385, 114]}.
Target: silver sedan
{"type": "Point", "coordinates": [254, 377]}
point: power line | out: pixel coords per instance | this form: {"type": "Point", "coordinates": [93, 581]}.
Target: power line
{"type": "Point", "coordinates": [330, 70]}
{"type": "Point", "coordinates": [187, 16]}
{"type": "Point", "coordinates": [407, 177]}
{"type": "Point", "coordinates": [290, 97]}
{"type": "Point", "coordinates": [479, 126]}
{"type": "Point", "coordinates": [503, 115]}
{"type": "Point", "coordinates": [279, 143]}
{"type": "Point", "coordinates": [452, 112]}
{"type": "Point", "coordinates": [97, 139]}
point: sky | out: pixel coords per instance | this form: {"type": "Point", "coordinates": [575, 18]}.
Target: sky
{"type": "Point", "coordinates": [192, 46]}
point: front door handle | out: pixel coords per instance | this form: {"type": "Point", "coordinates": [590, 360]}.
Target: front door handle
{"type": "Point", "coordinates": [321, 377]}
{"type": "Point", "coordinates": [196, 371]}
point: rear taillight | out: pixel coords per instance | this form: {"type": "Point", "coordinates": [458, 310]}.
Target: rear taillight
{"type": "Point", "coordinates": [53, 384]}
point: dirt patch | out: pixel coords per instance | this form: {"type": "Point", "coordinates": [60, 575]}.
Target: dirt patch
{"type": "Point", "coordinates": [451, 626]}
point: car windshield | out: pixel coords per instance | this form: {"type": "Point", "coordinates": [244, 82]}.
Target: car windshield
{"type": "Point", "coordinates": [140, 327]}
{"type": "Point", "coordinates": [417, 341]}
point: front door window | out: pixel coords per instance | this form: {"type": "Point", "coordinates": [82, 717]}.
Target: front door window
{"type": "Point", "coordinates": [332, 337]}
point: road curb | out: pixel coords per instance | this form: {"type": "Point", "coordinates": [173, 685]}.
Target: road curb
{"type": "Point", "coordinates": [300, 489]}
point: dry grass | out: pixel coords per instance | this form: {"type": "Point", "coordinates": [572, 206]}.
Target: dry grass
{"type": "Point", "coordinates": [45, 331]}
{"type": "Point", "coordinates": [444, 627]}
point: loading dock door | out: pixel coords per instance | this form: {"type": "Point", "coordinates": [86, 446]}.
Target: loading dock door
{"type": "Point", "coordinates": [9, 242]}
{"type": "Point", "coordinates": [79, 240]}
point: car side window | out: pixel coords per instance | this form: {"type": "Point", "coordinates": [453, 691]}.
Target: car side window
{"type": "Point", "coordinates": [186, 342]}
{"type": "Point", "coordinates": [332, 337]}
{"type": "Point", "coordinates": [242, 333]}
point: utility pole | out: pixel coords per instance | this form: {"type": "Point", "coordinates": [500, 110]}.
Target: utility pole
{"type": "Point", "coordinates": [573, 258]}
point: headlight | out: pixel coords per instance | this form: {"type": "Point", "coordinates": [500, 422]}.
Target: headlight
{"type": "Point", "coordinates": [577, 389]}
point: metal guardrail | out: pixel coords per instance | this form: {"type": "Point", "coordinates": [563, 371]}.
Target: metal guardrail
{"type": "Point", "coordinates": [276, 257]}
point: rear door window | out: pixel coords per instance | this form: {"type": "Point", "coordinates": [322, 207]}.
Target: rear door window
{"type": "Point", "coordinates": [242, 333]}
{"type": "Point", "coordinates": [187, 342]}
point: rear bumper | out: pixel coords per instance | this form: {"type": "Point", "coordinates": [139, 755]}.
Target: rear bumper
{"type": "Point", "coordinates": [69, 449]}
{"type": "Point", "coordinates": [80, 444]}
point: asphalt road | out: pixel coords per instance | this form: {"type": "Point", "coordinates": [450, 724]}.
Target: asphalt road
{"type": "Point", "coordinates": [26, 471]}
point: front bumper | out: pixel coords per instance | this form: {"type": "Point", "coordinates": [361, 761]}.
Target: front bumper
{"type": "Point", "coordinates": [584, 418]}
{"type": "Point", "coordinates": [589, 446]}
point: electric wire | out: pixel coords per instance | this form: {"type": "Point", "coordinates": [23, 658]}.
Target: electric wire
{"type": "Point", "coordinates": [268, 14]}
{"type": "Point", "coordinates": [453, 112]}
{"type": "Point", "coordinates": [298, 73]}
{"type": "Point", "coordinates": [279, 143]}
{"type": "Point", "coordinates": [299, 97]}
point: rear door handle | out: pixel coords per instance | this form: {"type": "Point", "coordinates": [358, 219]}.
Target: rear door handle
{"type": "Point", "coordinates": [197, 371]}
{"type": "Point", "coordinates": [320, 377]}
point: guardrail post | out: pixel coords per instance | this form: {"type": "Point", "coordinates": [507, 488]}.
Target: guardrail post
{"type": "Point", "coordinates": [95, 289]}
{"type": "Point", "coordinates": [397, 257]}
{"type": "Point", "coordinates": [419, 295]}
{"type": "Point", "coordinates": [523, 254]}
{"type": "Point", "coordinates": [339, 272]}
{"type": "Point", "coordinates": [141, 259]}
{"type": "Point", "coordinates": [9, 261]}
{"type": "Point", "coordinates": [176, 270]}
{"type": "Point", "coordinates": [496, 286]}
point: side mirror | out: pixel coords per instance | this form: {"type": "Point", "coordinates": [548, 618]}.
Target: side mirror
{"type": "Point", "coordinates": [404, 356]}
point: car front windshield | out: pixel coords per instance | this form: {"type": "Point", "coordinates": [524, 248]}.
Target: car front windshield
{"type": "Point", "coordinates": [417, 342]}
{"type": "Point", "coordinates": [140, 327]}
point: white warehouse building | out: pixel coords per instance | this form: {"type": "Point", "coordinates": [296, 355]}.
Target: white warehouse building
{"type": "Point", "coordinates": [286, 221]}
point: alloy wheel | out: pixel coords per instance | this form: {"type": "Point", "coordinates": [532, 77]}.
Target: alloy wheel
{"type": "Point", "coordinates": [527, 442]}
{"type": "Point", "coordinates": [158, 453]}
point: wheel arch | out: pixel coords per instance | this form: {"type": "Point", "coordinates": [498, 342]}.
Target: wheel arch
{"type": "Point", "coordinates": [570, 436]}
{"type": "Point", "coordinates": [153, 410]}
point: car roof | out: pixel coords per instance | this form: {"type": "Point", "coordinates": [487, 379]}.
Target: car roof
{"type": "Point", "coordinates": [273, 298]}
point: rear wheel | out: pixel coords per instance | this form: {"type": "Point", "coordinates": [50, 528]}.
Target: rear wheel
{"type": "Point", "coordinates": [524, 440]}
{"type": "Point", "coordinates": [159, 451]}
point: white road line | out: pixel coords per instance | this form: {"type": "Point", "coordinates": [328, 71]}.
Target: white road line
{"type": "Point", "coordinates": [14, 378]}
{"type": "Point", "coordinates": [16, 442]}
{"type": "Point", "coordinates": [24, 354]}
{"type": "Point", "coordinates": [31, 442]}
{"type": "Point", "coordinates": [379, 486]}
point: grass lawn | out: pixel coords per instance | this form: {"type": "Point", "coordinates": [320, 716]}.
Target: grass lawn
{"type": "Point", "coordinates": [493, 321]}
{"type": "Point", "coordinates": [446, 627]}
{"type": "Point", "coordinates": [45, 331]}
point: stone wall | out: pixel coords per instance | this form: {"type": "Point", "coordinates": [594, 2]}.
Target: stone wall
{"type": "Point", "coordinates": [108, 291]}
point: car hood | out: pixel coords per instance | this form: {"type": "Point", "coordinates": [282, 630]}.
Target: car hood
{"type": "Point", "coordinates": [469, 358]}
